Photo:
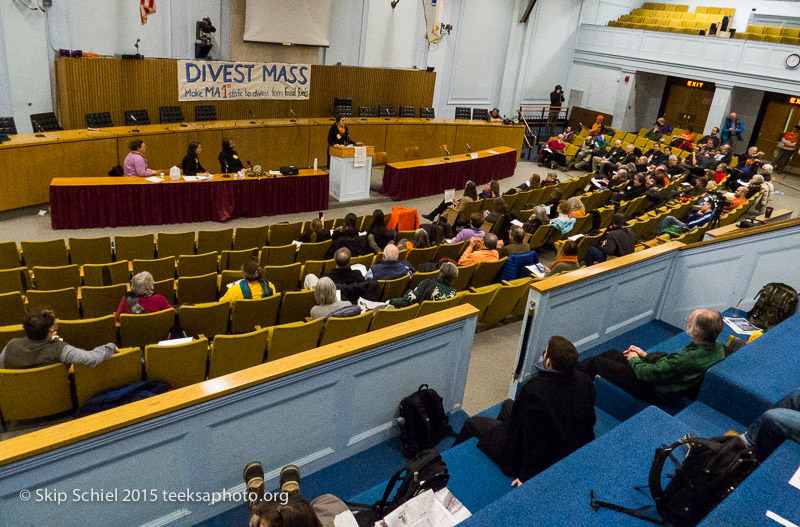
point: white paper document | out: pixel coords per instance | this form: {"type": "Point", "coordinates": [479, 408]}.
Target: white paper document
{"type": "Point", "coordinates": [795, 480]}
{"type": "Point", "coordinates": [155, 179]}
{"type": "Point", "coordinates": [772, 516]}
{"type": "Point", "coordinates": [175, 342]}
{"type": "Point", "coordinates": [597, 183]}
{"type": "Point", "coordinates": [427, 510]}
{"type": "Point", "coordinates": [196, 178]}
{"type": "Point", "coordinates": [297, 243]}
{"type": "Point", "coordinates": [517, 223]}
{"type": "Point", "coordinates": [369, 305]}
{"type": "Point", "coordinates": [493, 151]}
{"type": "Point", "coordinates": [274, 172]}
{"type": "Point", "coordinates": [450, 195]}
{"type": "Point", "coordinates": [474, 155]}
{"type": "Point", "coordinates": [741, 325]}
{"type": "Point", "coordinates": [360, 156]}
{"type": "Point", "coordinates": [535, 269]}
{"type": "Point", "coordinates": [576, 237]}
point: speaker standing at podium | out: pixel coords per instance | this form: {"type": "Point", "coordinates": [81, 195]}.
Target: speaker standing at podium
{"type": "Point", "coordinates": [339, 135]}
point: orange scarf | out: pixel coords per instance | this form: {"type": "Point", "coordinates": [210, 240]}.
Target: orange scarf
{"type": "Point", "coordinates": [566, 259]}
{"type": "Point", "coordinates": [341, 129]}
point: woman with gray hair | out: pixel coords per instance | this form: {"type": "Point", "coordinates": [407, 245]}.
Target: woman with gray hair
{"type": "Point", "coordinates": [325, 295]}
{"type": "Point", "coordinates": [439, 288]}
{"type": "Point", "coordinates": [536, 219]}
{"type": "Point", "coordinates": [141, 299]}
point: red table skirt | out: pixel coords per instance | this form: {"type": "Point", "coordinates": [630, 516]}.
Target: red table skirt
{"type": "Point", "coordinates": [429, 180]}
{"type": "Point", "coordinates": [90, 206]}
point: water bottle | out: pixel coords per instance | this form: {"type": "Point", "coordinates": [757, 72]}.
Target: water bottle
{"type": "Point", "coordinates": [175, 173]}
{"type": "Point", "coordinates": [316, 164]}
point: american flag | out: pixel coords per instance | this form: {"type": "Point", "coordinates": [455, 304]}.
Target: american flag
{"type": "Point", "coordinates": [146, 7]}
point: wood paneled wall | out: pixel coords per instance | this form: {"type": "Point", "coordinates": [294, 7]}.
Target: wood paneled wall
{"type": "Point", "coordinates": [114, 85]}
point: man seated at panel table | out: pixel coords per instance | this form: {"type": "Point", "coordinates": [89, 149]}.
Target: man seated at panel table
{"type": "Point", "coordinates": [552, 417]}
{"type": "Point", "coordinates": [41, 346]}
{"type": "Point", "coordinates": [659, 377]}
{"type": "Point", "coordinates": [229, 160]}
{"type": "Point", "coordinates": [135, 164]}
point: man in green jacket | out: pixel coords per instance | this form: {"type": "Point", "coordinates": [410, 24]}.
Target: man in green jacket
{"type": "Point", "coordinates": [664, 377]}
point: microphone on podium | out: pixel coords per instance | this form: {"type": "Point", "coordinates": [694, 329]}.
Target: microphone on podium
{"type": "Point", "coordinates": [38, 127]}
{"type": "Point", "coordinates": [470, 149]}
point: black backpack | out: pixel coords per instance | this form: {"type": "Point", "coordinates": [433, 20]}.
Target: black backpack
{"type": "Point", "coordinates": [711, 469]}
{"type": "Point", "coordinates": [774, 303]}
{"type": "Point", "coordinates": [425, 471]}
{"type": "Point", "coordinates": [422, 422]}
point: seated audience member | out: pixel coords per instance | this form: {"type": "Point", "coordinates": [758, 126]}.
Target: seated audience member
{"type": "Point", "coordinates": [536, 219]}
{"type": "Point", "coordinates": [140, 299]}
{"type": "Point", "coordinates": [494, 116]}
{"type": "Point", "coordinates": [533, 182]}
{"type": "Point", "coordinates": [41, 345]}
{"type": "Point", "coordinates": [642, 165]}
{"type": "Point", "coordinates": [552, 417]}
{"type": "Point", "coordinates": [674, 167]}
{"type": "Point", "coordinates": [378, 235]}
{"type": "Point", "coordinates": [654, 134]}
{"type": "Point", "coordinates": [343, 274]}
{"type": "Point", "coordinates": [598, 124]}
{"type": "Point", "coordinates": [550, 180]}
{"type": "Point", "coordinates": [470, 194]}
{"type": "Point", "coordinates": [390, 268]}
{"type": "Point", "coordinates": [697, 189]}
{"type": "Point", "coordinates": [569, 135]}
{"type": "Point", "coordinates": [348, 236]}
{"type": "Point", "coordinates": [786, 148]}
{"type": "Point", "coordinates": [618, 240]}
{"type": "Point", "coordinates": [664, 377]}
{"type": "Point", "coordinates": [552, 153]}
{"type": "Point", "coordinates": [605, 163]}
{"type": "Point", "coordinates": [720, 173]}
{"type": "Point", "coordinates": [492, 190]}
{"type": "Point", "coordinates": [724, 155]}
{"type": "Point", "coordinates": [228, 158]}
{"type": "Point", "coordinates": [473, 231]}
{"type": "Point", "coordinates": [480, 250]}
{"type": "Point", "coordinates": [421, 240]}
{"type": "Point", "coordinates": [576, 208]}
{"type": "Point", "coordinates": [439, 288]}
{"type": "Point", "coordinates": [501, 219]}
{"type": "Point", "coordinates": [556, 197]}
{"type": "Point", "coordinates": [567, 262]}
{"type": "Point", "coordinates": [325, 295]}
{"type": "Point", "coordinates": [191, 162]}
{"type": "Point", "coordinates": [760, 183]}
{"type": "Point", "coordinates": [654, 197]}
{"type": "Point", "coordinates": [655, 156]}
{"type": "Point", "coordinates": [713, 137]}
{"type": "Point", "coordinates": [739, 198]}
{"type": "Point", "coordinates": [684, 142]}
{"type": "Point", "coordinates": [697, 219]}
{"type": "Point", "coordinates": [770, 429]}
{"type": "Point", "coordinates": [583, 157]}
{"type": "Point", "coordinates": [135, 163]}
{"type": "Point", "coordinates": [252, 285]}
{"type": "Point", "coordinates": [288, 508]}
{"type": "Point", "coordinates": [663, 127]}
{"type": "Point", "coordinates": [516, 245]}
{"type": "Point", "coordinates": [316, 232]}
{"type": "Point", "coordinates": [563, 222]}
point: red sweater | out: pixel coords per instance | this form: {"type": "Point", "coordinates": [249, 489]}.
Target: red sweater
{"type": "Point", "coordinates": [151, 304]}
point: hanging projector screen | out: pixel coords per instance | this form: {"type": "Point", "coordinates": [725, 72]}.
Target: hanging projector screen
{"type": "Point", "coordinates": [302, 22]}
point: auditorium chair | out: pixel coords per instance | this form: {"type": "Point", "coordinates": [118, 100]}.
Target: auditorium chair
{"type": "Point", "coordinates": [170, 114]}
{"type": "Point", "coordinates": [516, 264]}
{"type": "Point", "coordinates": [417, 257]}
{"type": "Point", "coordinates": [289, 339]}
{"type": "Point", "coordinates": [64, 302]}
{"type": "Point", "coordinates": [99, 120]}
{"type": "Point", "coordinates": [367, 111]}
{"type": "Point", "coordinates": [234, 260]}
{"type": "Point", "coordinates": [366, 260]}
{"type": "Point", "coordinates": [175, 243]}
{"type": "Point", "coordinates": [180, 365]}
{"type": "Point", "coordinates": [228, 276]}
{"type": "Point", "coordinates": [51, 253]}
{"type": "Point", "coordinates": [542, 235]}
{"type": "Point", "coordinates": [389, 317]}
{"type": "Point", "coordinates": [283, 277]}
{"type": "Point", "coordinates": [52, 278]}
{"type": "Point", "coordinates": [138, 247]}
{"type": "Point", "coordinates": [465, 274]}
{"type": "Point", "coordinates": [428, 307]}
{"type": "Point", "coordinates": [480, 114]}
{"type": "Point", "coordinates": [315, 267]}
{"type": "Point", "coordinates": [197, 264]}
{"type": "Point", "coordinates": [10, 332]}
{"type": "Point", "coordinates": [343, 111]}
{"type": "Point", "coordinates": [313, 251]}
{"type": "Point", "coordinates": [504, 301]}
{"type": "Point", "coordinates": [205, 113]}
{"type": "Point", "coordinates": [165, 288]}
{"type": "Point", "coordinates": [89, 333]}
{"type": "Point", "coordinates": [427, 113]}
{"type": "Point", "coordinates": [12, 309]}
{"type": "Point", "coordinates": [197, 289]}
{"type": "Point", "coordinates": [273, 255]}
{"type": "Point", "coordinates": [479, 298]}
{"type": "Point", "coordinates": [407, 111]}
{"type": "Point", "coordinates": [34, 393]}
{"type": "Point", "coordinates": [106, 274]}
{"type": "Point", "coordinates": [296, 306]}
{"type": "Point", "coordinates": [463, 112]}
{"type": "Point", "coordinates": [419, 276]}
{"type": "Point", "coordinates": [137, 331]}
{"type": "Point", "coordinates": [216, 240]}
{"type": "Point", "coordinates": [161, 268]}
{"type": "Point", "coordinates": [136, 117]}
{"type": "Point", "coordinates": [230, 353]}
{"type": "Point", "coordinates": [246, 314]}
{"type": "Point", "coordinates": [209, 320]}
{"type": "Point", "coordinates": [389, 289]}
{"type": "Point", "coordinates": [7, 126]}
{"type": "Point", "coordinates": [90, 250]}
{"type": "Point", "coordinates": [100, 301]}
{"type": "Point", "coordinates": [450, 250]}
{"type": "Point", "coordinates": [9, 255]}
{"type": "Point", "coordinates": [15, 280]}
{"type": "Point", "coordinates": [250, 237]}
{"type": "Point", "coordinates": [124, 368]}
{"type": "Point", "coordinates": [47, 122]}
{"type": "Point", "coordinates": [284, 233]}
{"type": "Point", "coordinates": [337, 329]}
{"type": "Point", "coordinates": [386, 110]}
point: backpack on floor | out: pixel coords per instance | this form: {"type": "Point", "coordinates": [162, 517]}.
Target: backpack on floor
{"type": "Point", "coordinates": [775, 302]}
{"type": "Point", "coordinates": [710, 470]}
{"type": "Point", "coordinates": [422, 422]}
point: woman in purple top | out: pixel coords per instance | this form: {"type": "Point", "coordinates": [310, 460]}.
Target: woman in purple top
{"type": "Point", "coordinates": [135, 164]}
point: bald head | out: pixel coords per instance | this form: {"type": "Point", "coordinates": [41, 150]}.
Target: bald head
{"type": "Point", "coordinates": [704, 325]}
{"type": "Point", "coordinates": [490, 242]}
{"type": "Point", "coordinates": [391, 252]}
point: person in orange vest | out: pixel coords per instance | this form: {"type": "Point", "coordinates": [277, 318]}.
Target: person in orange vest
{"type": "Point", "coordinates": [786, 147]}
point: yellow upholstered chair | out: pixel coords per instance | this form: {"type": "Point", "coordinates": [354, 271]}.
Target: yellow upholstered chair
{"type": "Point", "coordinates": [283, 277]}
{"type": "Point", "coordinates": [51, 278]}
{"type": "Point", "coordinates": [165, 288]}
{"type": "Point", "coordinates": [161, 268]}
{"type": "Point", "coordinates": [9, 255]}
{"type": "Point", "coordinates": [393, 288]}
{"type": "Point", "coordinates": [418, 257]}
{"type": "Point", "coordinates": [214, 241]}
{"type": "Point", "coordinates": [756, 29]}
{"type": "Point", "coordinates": [429, 307]}
{"type": "Point", "coordinates": [180, 365]}
{"type": "Point", "coordinates": [275, 255]}
{"type": "Point", "coordinates": [12, 309]}
{"type": "Point", "coordinates": [773, 38]}
{"type": "Point", "coordinates": [486, 272]}
{"type": "Point", "coordinates": [465, 275]}
{"type": "Point", "coordinates": [337, 329]}
{"type": "Point", "coordinates": [17, 279]}
{"type": "Point", "coordinates": [230, 353]}
{"type": "Point", "coordinates": [284, 233]}
{"type": "Point", "coordinates": [137, 331]}
{"type": "Point", "coordinates": [175, 243]}
{"type": "Point", "coordinates": [209, 319]}
{"type": "Point", "coordinates": [479, 298]}
{"type": "Point", "coordinates": [366, 260]}
{"type": "Point", "coordinates": [63, 301]}
{"type": "Point", "coordinates": [504, 301]}
{"type": "Point", "coordinates": [10, 332]}
{"type": "Point", "coordinates": [792, 41]}
{"type": "Point", "coordinates": [227, 277]}
{"type": "Point", "coordinates": [419, 276]}
{"type": "Point", "coordinates": [124, 368]}
{"type": "Point", "coordinates": [450, 250]}
{"type": "Point", "coordinates": [140, 247]}
{"type": "Point", "coordinates": [250, 237]}
{"type": "Point", "coordinates": [52, 253]}
{"type": "Point", "coordinates": [288, 339]}
{"type": "Point", "coordinates": [773, 30]}
{"type": "Point", "coordinates": [234, 260]}
{"type": "Point", "coordinates": [101, 301]}
{"type": "Point", "coordinates": [793, 32]}
{"type": "Point", "coordinates": [316, 267]}
{"type": "Point", "coordinates": [313, 251]}
{"type": "Point", "coordinates": [197, 289]}
{"type": "Point", "coordinates": [388, 317]}
{"type": "Point", "coordinates": [197, 265]}
{"type": "Point", "coordinates": [296, 306]}
{"type": "Point", "coordinates": [34, 392]}
{"type": "Point", "coordinates": [263, 312]}
{"type": "Point", "coordinates": [90, 250]}
{"type": "Point", "coordinates": [97, 275]}
{"type": "Point", "coordinates": [89, 333]}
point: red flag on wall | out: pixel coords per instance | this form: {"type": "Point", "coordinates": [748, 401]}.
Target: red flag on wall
{"type": "Point", "coordinates": [146, 7]}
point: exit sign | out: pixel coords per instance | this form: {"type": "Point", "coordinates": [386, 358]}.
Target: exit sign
{"type": "Point", "coordinates": [694, 84]}
{"type": "Point", "coordinates": [794, 100]}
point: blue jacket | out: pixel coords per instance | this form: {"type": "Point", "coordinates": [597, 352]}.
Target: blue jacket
{"type": "Point", "coordinates": [736, 127]}
{"type": "Point", "coordinates": [389, 270]}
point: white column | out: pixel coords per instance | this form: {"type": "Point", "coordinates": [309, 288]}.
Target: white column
{"type": "Point", "coordinates": [624, 113]}
{"type": "Point", "coordinates": [720, 107]}
{"type": "Point", "coordinates": [6, 107]}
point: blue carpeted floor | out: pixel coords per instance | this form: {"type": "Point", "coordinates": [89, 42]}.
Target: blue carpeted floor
{"type": "Point", "coordinates": [645, 336]}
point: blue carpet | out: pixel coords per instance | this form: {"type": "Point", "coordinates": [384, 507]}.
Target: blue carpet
{"type": "Point", "coordinates": [702, 417]}
{"type": "Point", "coordinates": [645, 336]}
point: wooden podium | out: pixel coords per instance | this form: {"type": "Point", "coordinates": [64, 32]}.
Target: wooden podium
{"type": "Point", "coordinates": [348, 182]}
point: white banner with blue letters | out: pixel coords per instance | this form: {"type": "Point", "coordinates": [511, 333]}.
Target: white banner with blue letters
{"type": "Point", "coordinates": [203, 80]}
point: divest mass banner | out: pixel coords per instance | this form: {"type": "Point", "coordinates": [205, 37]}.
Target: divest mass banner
{"type": "Point", "coordinates": [201, 80]}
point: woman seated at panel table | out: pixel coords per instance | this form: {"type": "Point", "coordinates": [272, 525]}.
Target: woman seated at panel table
{"type": "Point", "coordinates": [140, 299]}
{"type": "Point", "coordinates": [135, 164]}
{"type": "Point", "coordinates": [191, 162]}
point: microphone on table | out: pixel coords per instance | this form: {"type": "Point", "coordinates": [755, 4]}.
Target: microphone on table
{"type": "Point", "coordinates": [448, 152]}
{"type": "Point", "coordinates": [469, 148]}
{"type": "Point", "coordinates": [226, 174]}
{"type": "Point", "coordinates": [252, 115]}
{"type": "Point", "coordinates": [387, 114]}
{"type": "Point", "coordinates": [293, 115]}
{"type": "Point", "coordinates": [38, 127]}
{"type": "Point", "coordinates": [135, 129]}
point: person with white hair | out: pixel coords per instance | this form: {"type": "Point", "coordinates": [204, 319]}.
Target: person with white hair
{"type": "Point", "coordinates": [325, 295]}
{"type": "Point", "coordinates": [763, 182]}
{"type": "Point", "coordinates": [142, 298]}
{"type": "Point", "coordinates": [390, 268]}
